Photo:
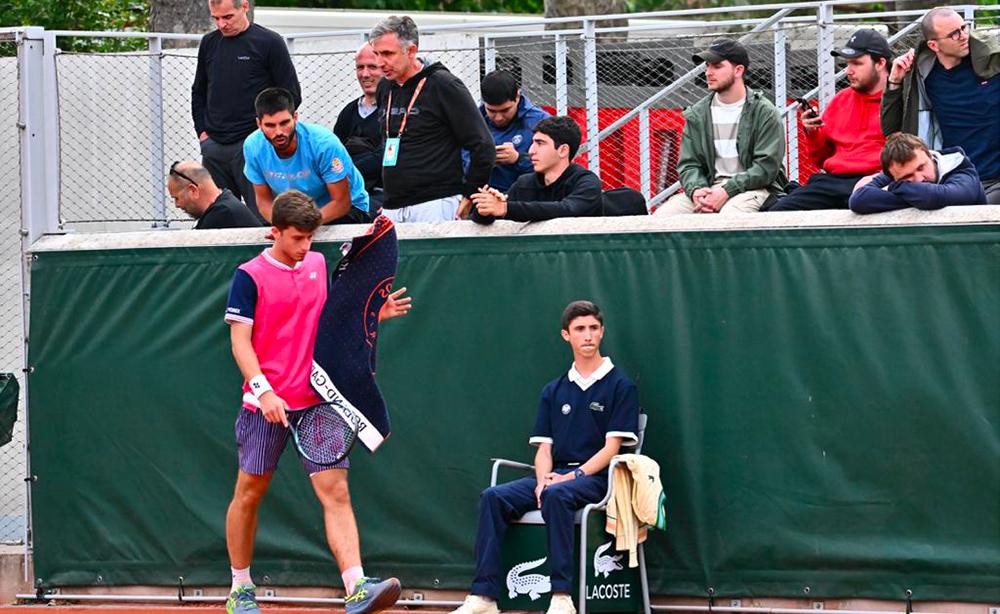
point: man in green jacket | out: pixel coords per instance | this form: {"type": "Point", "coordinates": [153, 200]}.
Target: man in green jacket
{"type": "Point", "coordinates": [947, 92]}
{"type": "Point", "coordinates": [733, 146]}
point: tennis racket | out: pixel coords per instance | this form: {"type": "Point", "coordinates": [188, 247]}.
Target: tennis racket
{"type": "Point", "coordinates": [321, 433]}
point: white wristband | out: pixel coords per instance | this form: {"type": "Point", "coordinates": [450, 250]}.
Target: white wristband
{"type": "Point", "coordinates": [259, 385]}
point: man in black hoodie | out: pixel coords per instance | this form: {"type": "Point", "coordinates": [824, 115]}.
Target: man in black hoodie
{"type": "Point", "coordinates": [430, 117]}
{"type": "Point", "coordinates": [557, 188]}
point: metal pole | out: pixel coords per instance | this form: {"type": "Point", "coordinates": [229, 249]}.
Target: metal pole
{"type": "Point", "coordinates": [562, 103]}
{"type": "Point", "coordinates": [677, 84]}
{"type": "Point", "coordinates": [590, 89]}
{"type": "Point", "coordinates": [825, 65]}
{"type": "Point", "coordinates": [490, 54]}
{"type": "Point", "coordinates": [781, 97]}
{"type": "Point", "coordinates": [644, 174]}
{"type": "Point", "coordinates": [156, 128]}
{"type": "Point", "coordinates": [38, 122]}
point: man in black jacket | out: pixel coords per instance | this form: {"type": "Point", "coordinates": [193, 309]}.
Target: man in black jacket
{"type": "Point", "coordinates": [194, 193]}
{"type": "Point", "coordinates": [235, 63]}
{"type": "Point", "coordinates": [430, 118]}
{"type": "Point", "coordinates": [359, 125]}
{"type": "Point", "coordinates": [557, 188]}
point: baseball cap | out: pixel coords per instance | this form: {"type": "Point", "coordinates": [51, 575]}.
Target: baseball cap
{"type": "Point", "coordinates": [865, 41]}
{"type": "Point", "coordinates": [723, 49]}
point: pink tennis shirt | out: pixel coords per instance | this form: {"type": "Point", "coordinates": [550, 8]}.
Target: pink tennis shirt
{"type": "Point", "coordinates": [283, 304]}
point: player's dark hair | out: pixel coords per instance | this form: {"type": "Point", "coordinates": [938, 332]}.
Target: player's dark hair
{"type": "Point", "coordinates": [563, 131]}
{"type": "Point", "coordinates": [579, 309]}
{"type": "Point", "coordinates": [900, 148]}
{"type": "Point", "coordinates": [499, 87]}
{"type": "Point", "coordinates": [273, 100]}
{"type": "Point", "coordinates": [293, 208]}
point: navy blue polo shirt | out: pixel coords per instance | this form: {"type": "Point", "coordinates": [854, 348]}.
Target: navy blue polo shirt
{"type": "Point", "coordinates": [576, 415]}
{"type": "Point", "coordinates": [967, 109]}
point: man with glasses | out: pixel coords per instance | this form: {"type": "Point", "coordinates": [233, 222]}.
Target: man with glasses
{"type": "Point", "coordinates": [947, 92]}
{"type": "Point", "coordinates": [195, 193]}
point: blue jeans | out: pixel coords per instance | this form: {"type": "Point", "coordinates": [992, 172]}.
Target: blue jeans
{"type": "Point", "coordinates": [499, 505]}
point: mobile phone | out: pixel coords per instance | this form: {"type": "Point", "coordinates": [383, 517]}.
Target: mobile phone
{"type": "Point", "coordinates": [805, 106]}
{"type": "Point", "coordinates": [807, 109]}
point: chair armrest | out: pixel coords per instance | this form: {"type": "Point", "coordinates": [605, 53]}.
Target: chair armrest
{"type": "Point", "coordinates": [603, 503]}
{"type": "Point", "coordinates": [503, 462]}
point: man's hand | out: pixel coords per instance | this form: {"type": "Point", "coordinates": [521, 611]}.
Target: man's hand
{"type": "Point", "coordinates": [506, 154]}
{"type": "Point", "coordinates": [810, 118]}
{"type": "Point", "coordinates": [203, 136]}
{"type": "Point", "coordinates": [863, 182]}
{"type": "Point", "coordinates": [273, 407]}
{"type": "Point", "coordinates": [489, 201]}
{"type": "Point", "coordinates": [395, 305]}
{"type": "Point", "coordinates": [900, 67]}
{"type": "Point", "coordinates": [554, 478]}
{"type": "Point", "coordinates": [464, 209]}
{"type": "Point", "coordinates": [711, 201]}
{"type": "Point", "coordinates": [538, 493]}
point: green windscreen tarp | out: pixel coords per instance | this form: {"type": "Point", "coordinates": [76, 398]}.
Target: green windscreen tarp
{"type": "Point", "coordinates": [824, 404]}
{"type": "Point", "coordinates": [9, 389]}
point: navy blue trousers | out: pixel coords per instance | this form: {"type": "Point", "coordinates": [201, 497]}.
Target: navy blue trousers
{"type": "Point", "coordinates": [499, 505]}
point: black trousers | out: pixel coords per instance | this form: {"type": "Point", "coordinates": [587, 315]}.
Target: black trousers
{"type": "Point", "coordinates": [224, 161]}
{"type": "Point", "coordinates": [824, 191]}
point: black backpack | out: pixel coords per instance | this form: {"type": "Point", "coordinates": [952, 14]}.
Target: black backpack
{"type": "Point", "coordinates": [623, 201]}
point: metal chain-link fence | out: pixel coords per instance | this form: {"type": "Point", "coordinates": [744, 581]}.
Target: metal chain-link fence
{"type": "Point", "coordinates": [12, 490]}
{"type": "Point", "coordinates": [125, 117]}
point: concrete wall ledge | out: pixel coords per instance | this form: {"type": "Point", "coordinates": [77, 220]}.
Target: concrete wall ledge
{"type": "Point", "coordinates": [949, 216]}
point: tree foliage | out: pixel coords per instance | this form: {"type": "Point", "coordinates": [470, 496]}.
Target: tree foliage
{"type": "Point", "coordinates": [80, 15]}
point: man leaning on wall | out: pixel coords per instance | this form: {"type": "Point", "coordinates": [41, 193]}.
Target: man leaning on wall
{"type": "Point", "coordinates": [235, 63]}
{"type": "Point", "coordinates": [733, 144]}
{"type": "Point", "coordinates": [947, 92]}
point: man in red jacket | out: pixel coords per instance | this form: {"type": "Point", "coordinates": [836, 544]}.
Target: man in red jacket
{"type": "Point", "coordinates": [847, 141]}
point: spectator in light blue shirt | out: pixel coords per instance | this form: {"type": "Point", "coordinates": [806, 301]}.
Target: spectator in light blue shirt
{"type": "Point", "coordinates": [285, 154]}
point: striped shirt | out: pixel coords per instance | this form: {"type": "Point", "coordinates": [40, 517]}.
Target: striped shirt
{"type": "Point", "coordinates": [725, 125]}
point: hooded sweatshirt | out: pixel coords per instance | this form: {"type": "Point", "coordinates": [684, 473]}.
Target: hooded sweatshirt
{"type": "Point", "coordinates": [957, 184]}
{"type": "Point", "coordinates": [850, 140]}
{"type": "Point", "coordinates": [518, 132]}
{"type": "Point", "coordinates": [444, 120]}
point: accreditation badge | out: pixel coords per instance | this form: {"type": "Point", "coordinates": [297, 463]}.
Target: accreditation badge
{"type": "Point", "coordinates": [391, 152]}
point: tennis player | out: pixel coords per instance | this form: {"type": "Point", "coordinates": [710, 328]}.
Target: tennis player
{"type": "Point", "coordinates": [274, 304]}
{"type": "Point", "coordinates": [584, 417]}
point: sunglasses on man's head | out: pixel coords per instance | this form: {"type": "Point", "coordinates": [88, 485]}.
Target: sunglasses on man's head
{"type": "Point", "coordinates": [174, 171]}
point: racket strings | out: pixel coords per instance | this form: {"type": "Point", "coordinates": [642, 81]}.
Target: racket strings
{"type": "Point", "coordinates": [323, 436]}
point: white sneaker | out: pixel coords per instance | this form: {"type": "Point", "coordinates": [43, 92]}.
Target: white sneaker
{"type": "Point", "coordinates": [474, 604]}
{"type": "Point", "coordinates": [561, 604]}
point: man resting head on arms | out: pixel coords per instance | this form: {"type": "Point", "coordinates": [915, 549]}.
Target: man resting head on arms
{"type": "Point", "coordinates": [914, 176]}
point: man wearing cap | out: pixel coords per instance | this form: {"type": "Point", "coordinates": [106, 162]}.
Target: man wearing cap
{"type": "Point", "coordinates": [733, 143]}
{"type": "Point", "coordinates": [846, 143]}
{"type": "Point", "coordinates": [947, 92]}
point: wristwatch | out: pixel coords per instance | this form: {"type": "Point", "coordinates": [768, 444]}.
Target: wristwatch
{"type": "Point", "coordinates": [578, 473]}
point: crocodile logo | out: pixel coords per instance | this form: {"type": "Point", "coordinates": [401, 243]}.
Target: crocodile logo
{"type": "Point", "coordinates": [604, 564]}
{"type": "Point", "coordinates": [532, 584]}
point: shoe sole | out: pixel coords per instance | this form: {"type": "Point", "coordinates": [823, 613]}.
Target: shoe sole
{"type": "Point", "coordinates": [387, 599]}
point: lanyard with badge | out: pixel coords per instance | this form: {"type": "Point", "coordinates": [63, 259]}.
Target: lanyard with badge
{"type": "Point", "coordinates": [392, 143]}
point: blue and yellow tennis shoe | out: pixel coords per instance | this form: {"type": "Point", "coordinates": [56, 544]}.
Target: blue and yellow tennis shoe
{"type": "Point", "coordinates": [372, 595]}
{"type": "Point", "coordinates": [243, 601]}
